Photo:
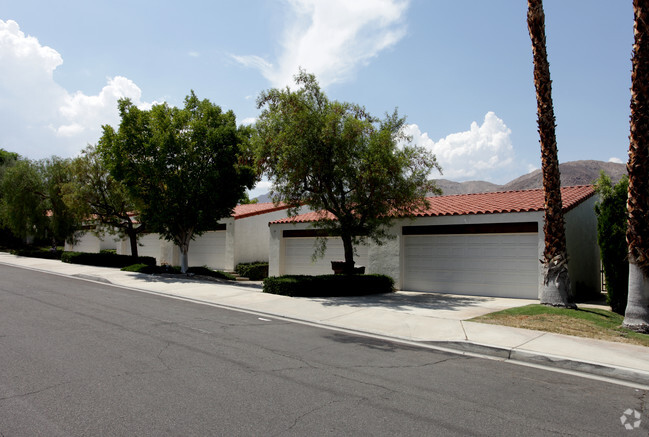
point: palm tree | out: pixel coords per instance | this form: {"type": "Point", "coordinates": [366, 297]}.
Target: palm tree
{"type": "Point", "coordinates": [556, 283]}
{"type": "Point", "coordinates": [636, 316]}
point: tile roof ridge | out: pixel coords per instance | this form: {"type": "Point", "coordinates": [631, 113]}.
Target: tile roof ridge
{"type": "Point", "coordinates": [524, 190]}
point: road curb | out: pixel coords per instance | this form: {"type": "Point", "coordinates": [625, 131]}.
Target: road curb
{"type": "Point", "coordinates": [548, 360]}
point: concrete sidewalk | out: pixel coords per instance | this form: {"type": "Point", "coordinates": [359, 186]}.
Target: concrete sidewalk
{"type": "Point", "coordinates": [434, 320]}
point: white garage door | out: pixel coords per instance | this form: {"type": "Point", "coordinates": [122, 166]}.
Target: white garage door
{"type": "Point", "coordinates": [148, 245]}
{"type": "Point", "coordinates": [504, 265]}
{"type": "Point", "coordinates": [88, 242]}
{"type": "Point", "coordinates": [298, 252]}
{"type": "Point", "coordinates": [208, 250]}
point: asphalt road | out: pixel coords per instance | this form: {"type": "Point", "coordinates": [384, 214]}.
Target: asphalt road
{"type": "Point", "coordinates": [82, 358]}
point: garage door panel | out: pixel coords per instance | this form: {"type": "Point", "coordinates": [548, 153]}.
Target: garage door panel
{"type": "Point", "coordinates": [489, 264]}
{"type": "Point", "coordinates": [208, 250]}
{"type": "Point", "coordinates": [149, 245]}
{"type": "Point", "coordinates": [298, 253]}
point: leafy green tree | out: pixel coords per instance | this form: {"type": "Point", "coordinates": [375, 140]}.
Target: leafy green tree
{"type": "Point", "coordinates": [96, 196]}
{"type": "Point", "coordinates": [611, 236]}
{"type": "Point", "coordinates": [334, 156]}
{"type": "Point", "coordinates": [7, 239]}
{"type": "Point", "coordinates": [63, 222]}
{"type": "Point", "coordinates": [32, 202]}
{"type": "Point", "coordinates": [22, 209]}
{"type": "Point", "coordinates": [186, 167]}
{"type": "Point", "coordinates": [7, 157]}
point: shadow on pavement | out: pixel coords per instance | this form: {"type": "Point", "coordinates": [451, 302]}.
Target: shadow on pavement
{"type": "Point", "coordinates": [370, 343]}
{"type": "Point", "coordinates": [404, 301]}
{"type": "Point", "coordinates": [168, 278]}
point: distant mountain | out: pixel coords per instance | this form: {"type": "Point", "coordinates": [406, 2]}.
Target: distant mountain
{"type": "Point", "coordinates": [450, 187]}
{"type": "Point", "coordinates": [264, 198]}
{"type": "Point", "coordinates": [572, 173]}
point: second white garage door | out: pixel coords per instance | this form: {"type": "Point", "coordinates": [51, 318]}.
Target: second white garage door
{"type": "Point", "coordinates": [504, 265]}
{"type": "Point", "coordinates": [208, 250]}
{"type": "Point", "coordinates": [298, 251]}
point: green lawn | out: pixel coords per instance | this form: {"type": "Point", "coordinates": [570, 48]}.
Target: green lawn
{"type": "Point", "coordinates": [584, 322]}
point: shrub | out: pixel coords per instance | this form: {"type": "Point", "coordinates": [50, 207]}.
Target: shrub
{"type": "Point", "coordinates": [205, 271]}
{"type": "Point", "coordinates": [140, 268]}
{"type": "Point", "coordinates": [38, 253]}
{"type": "Point", "coordinates": [175, 270]}
{"type": "Point", "coordinates": [105, 259]}
{"type": "Point", "coordinates": [611, 237]}
{"type": "Point", "coordinates": [254, 271]}
{"type": "Point", "coordinates": [110, 251]}
{"type": "Point", "coordinates": [328, 285]}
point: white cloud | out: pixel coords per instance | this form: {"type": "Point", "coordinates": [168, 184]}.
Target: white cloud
{"type": "Point", "coordinates": [249, 120]}
{"type": "Point", "coordinates": [615, 160]}
{"type": "Point", "coordinates": [484, 152]}
{"type": "Point", "coordinates": [262, 187]}
{"type": "Point", "coordinates": [38, 117]}
{"type": "Point", "coordinates": [531, 168]}
{"type": "Point", "coordinates": [332, 38]}
{"type": "Point", "coordinates": [194, 54]}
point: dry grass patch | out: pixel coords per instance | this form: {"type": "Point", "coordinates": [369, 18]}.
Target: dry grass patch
{"type": "Point", "coordinates": [585, 322]}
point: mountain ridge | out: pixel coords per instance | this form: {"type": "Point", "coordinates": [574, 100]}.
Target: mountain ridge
{"type": "Point", "coordinates": [583, 172]}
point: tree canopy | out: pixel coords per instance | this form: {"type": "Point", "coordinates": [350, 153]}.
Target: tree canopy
{"type": "Point", "coordinates": [7, 157]}
{"type": "Point", "coordinates": [102, 200]}
{"type": "Point", "coordinates": [611, 237]}
{"type": "Point", "coordinates": [186, 168]}
{"type": "Point", "coordinates": [336, 157]}
{"type": "Point", "coordinates": [32, 200]}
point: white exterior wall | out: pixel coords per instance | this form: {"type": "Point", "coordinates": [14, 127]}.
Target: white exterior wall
{"type": "Point", "coordinates": [277, 264]}
{"type": "Point", "coordinates": [163, 251]}
{"type": "Point", "coordinates": [276, 249]}
{"type": "Point", "coordinates": [246, 240]}
{"type": "Point", "coordinates": [514, 217]}
{"type": "Point", "coordinates": [298, 256]}
{"type": "Point", "coordinates": [388, 259]}
{"type": "Point", "coordinates": [89, 242]}
{"type": "Point", "coordinates": [253, 235]}
{"type": "Point", "coordinates": [581, 242]}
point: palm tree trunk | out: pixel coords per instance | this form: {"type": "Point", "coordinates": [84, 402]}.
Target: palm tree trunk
{"type": "Point", "coordinates": [556, 283]}
{"type": "Point", "coordinates": [636, 316]}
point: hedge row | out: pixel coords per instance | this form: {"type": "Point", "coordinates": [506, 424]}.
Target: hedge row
{"type": "Point", "coordinates": [253, 271]}
{"type": "Point", "coordinates": [140, 268]}
{"type": "Point", "coordinates": [38, 253]}
{"type": "Point", "coordinates": [202, 271]}
{"type": "Point", "coordinates": [105, 259]}
{"type": "Point", "coordinates": [328, 285]}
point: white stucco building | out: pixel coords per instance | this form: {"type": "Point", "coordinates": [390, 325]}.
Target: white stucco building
{"type": "Point", "coordinates": [485, 244]}
{"type": "Point", "coordinates": [244, 237]}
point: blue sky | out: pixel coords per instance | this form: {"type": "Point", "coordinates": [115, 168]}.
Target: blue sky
{"type": "Point", "coordinates": [460, 71]}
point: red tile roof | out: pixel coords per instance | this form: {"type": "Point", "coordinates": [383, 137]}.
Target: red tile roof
{"type": "Point", "coordinates": [481, 203]}
{"type": "Point", "coordinates": [249, 210]}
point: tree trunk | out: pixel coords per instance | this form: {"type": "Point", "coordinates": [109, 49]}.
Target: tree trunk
{"type": "Point", "coordinates": [637, 235]}
{"type": "Point", "coordinates": [132, 236]}
{"type": "Point", "coordinates": [182, 242]}
{"type": "Point", "coordinates": [184, 258]}
{"type": "Point", "coordinates": [556, 283]}
{"type": "Point", "coordinates": [349, 254]}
